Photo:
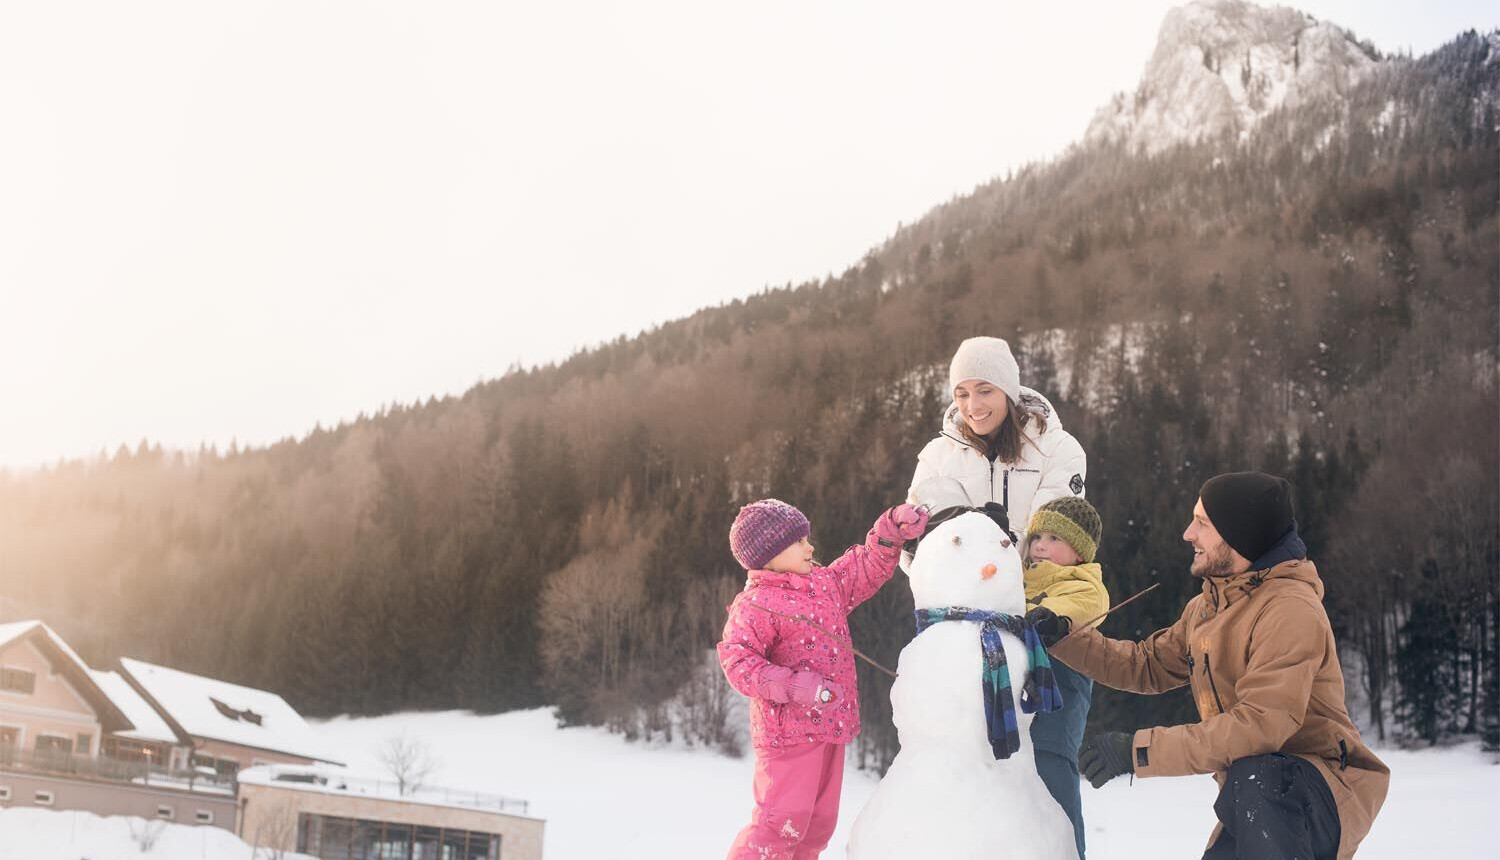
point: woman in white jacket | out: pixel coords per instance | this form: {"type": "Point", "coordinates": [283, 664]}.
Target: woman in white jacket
{"type": "Point", "coordinates": [1001, 441]}
{"type": "Point", "coordinates": [1005, 444]}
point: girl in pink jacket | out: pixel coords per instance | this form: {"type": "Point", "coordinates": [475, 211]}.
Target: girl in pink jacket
{"type": "Point", "coordinates": [786, 645]}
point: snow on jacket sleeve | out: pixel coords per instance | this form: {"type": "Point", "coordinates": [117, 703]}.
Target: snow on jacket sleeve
{"type": "Point", "coordinates": [1286, 650]}
{"type": "Point", "coordinates": [1066, 461]}
{"type": "Point", "coordinates": [1156, 664]}
{"type": "Point", "coordinates": [865, 567]}
{"type": "Point", "coordinates": [748, 636]}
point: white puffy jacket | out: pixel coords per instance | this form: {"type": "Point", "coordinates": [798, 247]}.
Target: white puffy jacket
{"type": "Point", "coordinates": [1051, 465]}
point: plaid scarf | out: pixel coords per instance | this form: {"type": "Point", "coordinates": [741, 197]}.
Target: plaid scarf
{"type": "Point", "coordinates": [1040, 692]}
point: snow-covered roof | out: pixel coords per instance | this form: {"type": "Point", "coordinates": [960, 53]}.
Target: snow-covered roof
{"type": "Point", "coordinates": [16, 629]}
{"type": "Point", "coordinates": [72, 667]}
{"type": "Point", "coordinates": [149, 726]}
{"type": "Point", "coordinates": [221, 711]}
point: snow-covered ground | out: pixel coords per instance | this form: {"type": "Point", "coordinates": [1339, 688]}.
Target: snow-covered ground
{"type": "Point", "coordinates": [42, 834]}
{"type": "Point", "coordinates": [604, 798]}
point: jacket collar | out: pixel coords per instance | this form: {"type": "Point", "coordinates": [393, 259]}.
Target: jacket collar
{"type": "Point", "coordinates": [793, 581]}
{"type": "Point", "coordinates": [1286, 560]}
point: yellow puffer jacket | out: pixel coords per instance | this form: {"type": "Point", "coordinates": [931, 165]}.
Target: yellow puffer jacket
{"type": "Point", "coordinates": [1076, 591]}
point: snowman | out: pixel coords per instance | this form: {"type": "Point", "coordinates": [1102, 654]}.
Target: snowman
{"type": "Point", "coordinates": [963, 786]}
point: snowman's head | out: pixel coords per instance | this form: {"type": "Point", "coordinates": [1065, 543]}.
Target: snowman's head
{"type": "Point", "coordinates": [968, 561]}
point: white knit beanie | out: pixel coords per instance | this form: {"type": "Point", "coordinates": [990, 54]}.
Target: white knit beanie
{"type": "Point", "coordinates": [986, 358]}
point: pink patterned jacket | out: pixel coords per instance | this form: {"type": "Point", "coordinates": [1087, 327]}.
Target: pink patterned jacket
{"type": "Point", "coordinates": [760, 651]}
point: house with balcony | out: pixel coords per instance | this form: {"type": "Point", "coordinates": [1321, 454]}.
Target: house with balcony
{"type": "Point", "coordinates": [154, 742]}
{"type": "Point", "coordinates": [62, 723]}
{"type": "Point", "coordinates": [50, 702]}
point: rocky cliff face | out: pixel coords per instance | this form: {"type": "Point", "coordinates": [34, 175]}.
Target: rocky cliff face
{"type": "Point", "coordinates": [1222, 65]}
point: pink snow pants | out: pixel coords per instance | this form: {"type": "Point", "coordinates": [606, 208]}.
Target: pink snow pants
{"type": "Point", "coordinates": [796, 803]}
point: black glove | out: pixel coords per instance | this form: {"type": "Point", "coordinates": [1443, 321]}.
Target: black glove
{"type": "Point", "coordinates": [1049, 625]}
{"type": "Point", "coordinates": [1104, 757]}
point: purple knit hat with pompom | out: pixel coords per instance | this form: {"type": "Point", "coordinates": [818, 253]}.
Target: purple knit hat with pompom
{"type": "Point", "coordinates": [763, 529]}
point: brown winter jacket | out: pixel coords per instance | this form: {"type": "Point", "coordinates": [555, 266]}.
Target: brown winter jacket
{"type": "Point", "coordinates": [1258, 653]}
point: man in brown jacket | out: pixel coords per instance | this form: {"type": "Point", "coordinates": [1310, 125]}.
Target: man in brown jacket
{"type": "Point", "coordinates": [1257, 651]}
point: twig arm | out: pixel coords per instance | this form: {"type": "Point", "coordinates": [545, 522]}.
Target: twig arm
{"type": "Point", "coordinates": [1096, 618]}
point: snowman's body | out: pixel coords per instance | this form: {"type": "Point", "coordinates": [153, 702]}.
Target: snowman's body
{"type": "Point", "coordinates": [946, 795]}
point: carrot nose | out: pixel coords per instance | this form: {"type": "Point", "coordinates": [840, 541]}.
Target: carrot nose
{"type": "Point", "coordinates": [987, 571]}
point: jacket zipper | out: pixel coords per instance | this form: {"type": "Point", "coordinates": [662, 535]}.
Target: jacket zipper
{"type": "Point", "coordinates": [1005, 476]}
{"type": "Point", "coordinates": [1004, 485]}
{"type": "Point", "coordinates": [1210, 675]}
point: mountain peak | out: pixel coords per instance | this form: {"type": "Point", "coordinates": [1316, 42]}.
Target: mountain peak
{"type": "Point", "coordinates": [1221, 65]}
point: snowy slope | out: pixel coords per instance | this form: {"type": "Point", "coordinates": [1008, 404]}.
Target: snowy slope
{"type": "Point", "coordinates": [1221, 65]}
{"type": "Point", "coordinates": [606, 799]}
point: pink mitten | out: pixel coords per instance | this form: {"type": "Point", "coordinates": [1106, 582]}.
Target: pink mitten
{"type": "Point", "coordinates": [811, 689]}
{"type": "Point", "coordinates": [901, 523]}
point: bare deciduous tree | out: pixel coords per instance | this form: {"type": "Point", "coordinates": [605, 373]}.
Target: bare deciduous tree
{"type": "Point", "coordinates": [409, 760]}
{"type": "Point", "coordinates": [145, 833]}
{"type": "Point", "coordinates": [275, 832]}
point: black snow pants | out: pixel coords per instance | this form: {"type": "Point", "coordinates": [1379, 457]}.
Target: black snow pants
{"type": "Point", "coordinates": [1275, 807]}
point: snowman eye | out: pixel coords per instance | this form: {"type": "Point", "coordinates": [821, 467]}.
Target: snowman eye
{"type": "Point", "coordinates": [957, 540]}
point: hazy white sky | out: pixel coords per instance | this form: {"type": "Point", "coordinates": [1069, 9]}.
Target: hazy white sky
{"type": "Point", "coordinates": [236, 219]}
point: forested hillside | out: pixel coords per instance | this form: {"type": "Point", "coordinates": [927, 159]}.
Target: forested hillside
{"type": "Point", "coordinates": [1319, 300]}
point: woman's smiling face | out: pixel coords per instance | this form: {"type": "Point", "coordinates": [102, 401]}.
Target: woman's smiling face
{"type": "Point", "coordinates": [982, 404]}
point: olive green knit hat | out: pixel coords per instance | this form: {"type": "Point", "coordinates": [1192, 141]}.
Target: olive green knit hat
{"type": "Point", "coordinates": [1074, 520]}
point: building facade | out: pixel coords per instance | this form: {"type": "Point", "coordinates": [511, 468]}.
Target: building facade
{"type": "Point", "coordinates": [49, 703]}
{"type": "Point", "coordinates": [335, 817]}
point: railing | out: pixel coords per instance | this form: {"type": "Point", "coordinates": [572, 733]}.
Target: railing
{"type": "Point", "coordinates": [114, 770]}
{"type": "Point", "coordinates": [391, 790]}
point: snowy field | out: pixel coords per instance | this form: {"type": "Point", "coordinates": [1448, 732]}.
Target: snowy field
{"type": "Point", "coordinates": [606, 799]}
{"type": "Point", "coordinates": [42, 834]}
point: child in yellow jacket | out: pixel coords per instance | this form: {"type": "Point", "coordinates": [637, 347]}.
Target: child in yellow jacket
{"type": "Point", "coordinates": [1064, 590]}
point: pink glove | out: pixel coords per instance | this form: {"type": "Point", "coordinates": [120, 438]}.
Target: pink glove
{"type": "Point", "coordinates": [901, 524]}
{"type": "Point", "coordinates": [810, 689]}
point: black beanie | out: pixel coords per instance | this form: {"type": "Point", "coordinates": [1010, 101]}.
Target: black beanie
{"type": "Point", "coordinates": [1251, 510]}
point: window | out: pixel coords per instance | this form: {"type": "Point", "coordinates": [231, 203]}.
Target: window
{"type": "Point", "coordinates": [234, 713]}
{"type": "Point", "coordinates": [17, 680]}
{"type": "Point", "coordinates": [221, 766]}
{"type": "Point", "coordinates": [4, 794]}
{"type": "Point", "coordinates": [43, 798]}
{"type": "Point", "coordinates": [358, 839]}
{"type": "Point", "coordinates": [166, 812]}
{"type": "Point", "coordinates": [126, 749]}
{"type": "Point", "coordinates": [204, 816]}
{"type": "Point", "coordinates": [54, 744]}
{"type": "Point", "coordinates": [83, 744]}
